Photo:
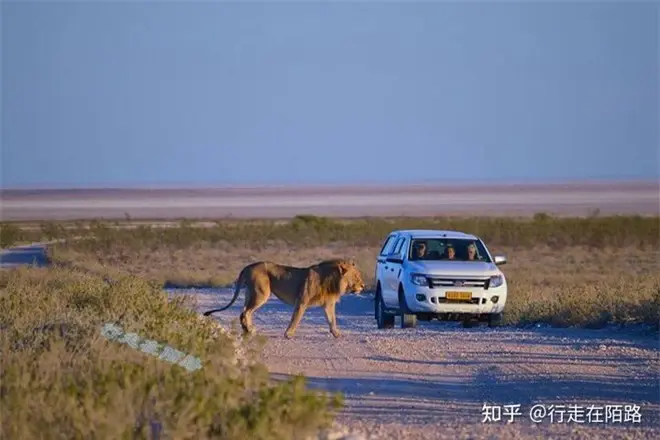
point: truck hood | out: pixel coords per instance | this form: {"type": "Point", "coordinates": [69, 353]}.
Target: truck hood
{"type": "Point", "coordinates": [454, 268]}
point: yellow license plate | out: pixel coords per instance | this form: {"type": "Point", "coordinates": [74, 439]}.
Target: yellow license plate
{"type": "Point", "coordinates": [459, 295]}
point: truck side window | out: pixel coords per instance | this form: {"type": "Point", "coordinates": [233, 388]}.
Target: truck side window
{"type": "Point", "coordinates": [387, 245]}
{"type": "Point", "coordinates": [397, 247]}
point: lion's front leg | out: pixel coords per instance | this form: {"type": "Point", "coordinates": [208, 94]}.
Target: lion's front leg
{"type": "Point", "coordinates": [330, 315]}
{"type": "Point", "coordinates": [298, 313]}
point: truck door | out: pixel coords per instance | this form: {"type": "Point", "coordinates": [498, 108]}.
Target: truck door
{"type": "Point", "coordinates": [391, 271]}
{"type": "Point", "coordinates": [380, 262]}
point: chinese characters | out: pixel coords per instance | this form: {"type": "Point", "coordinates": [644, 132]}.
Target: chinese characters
{"type": "Point", "coordinates": [563, 413]}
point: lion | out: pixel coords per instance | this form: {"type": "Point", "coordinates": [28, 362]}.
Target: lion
{"type": "Point", "coordinates": [321, 284]}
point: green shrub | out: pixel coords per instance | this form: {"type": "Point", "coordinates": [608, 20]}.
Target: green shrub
{"type": "Point", "coordinates": [61, 379]}
{"type": "Point", "coordinates": [9, 235]}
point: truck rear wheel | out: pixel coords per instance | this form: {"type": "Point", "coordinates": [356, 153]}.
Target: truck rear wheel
{"type": "Point", "coordinates": [383, 319]}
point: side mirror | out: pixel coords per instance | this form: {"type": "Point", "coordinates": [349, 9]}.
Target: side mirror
{"type": "Point", "coordinates": [500, 260]}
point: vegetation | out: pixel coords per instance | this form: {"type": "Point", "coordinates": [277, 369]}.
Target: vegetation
{"type": "Point", "coordinates": [61, 379]}
{"type": "Point", "coordinates": [306, 230]}
{"type": "Point", "coordinates": [60, 375]}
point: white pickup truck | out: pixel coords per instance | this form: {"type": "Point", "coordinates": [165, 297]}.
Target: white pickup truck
{"type": "Point", "coordinates": [434, 274]}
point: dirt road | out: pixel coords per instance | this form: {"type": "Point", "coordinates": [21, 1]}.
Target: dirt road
{"type": "Point", "coordinates": [432, 382]}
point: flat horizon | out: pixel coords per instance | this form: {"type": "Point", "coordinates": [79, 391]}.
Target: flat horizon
{"type": "Point", "coordinates": [567, 198]}
{"type": "Point", "coordinates": [451, 183]}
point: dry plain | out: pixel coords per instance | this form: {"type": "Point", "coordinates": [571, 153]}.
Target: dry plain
{"type": "Point", "coordinates": [576, 332]}
{"type": "Point", "coordinates": [270, 202]}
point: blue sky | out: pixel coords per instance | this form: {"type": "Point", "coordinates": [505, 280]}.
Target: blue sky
{"type": "Point", "coordinates": [213, 93]}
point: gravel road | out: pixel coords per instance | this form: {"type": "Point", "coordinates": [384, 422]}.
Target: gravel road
{"type": "Point", "coordinates": [432, 382]}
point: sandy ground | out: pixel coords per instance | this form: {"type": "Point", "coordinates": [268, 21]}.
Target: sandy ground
{"type": "Point", "coordinates": [432, 382]}
{"type": "Point", "coordinates": [567, 199]}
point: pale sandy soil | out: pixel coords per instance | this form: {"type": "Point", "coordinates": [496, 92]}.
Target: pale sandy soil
{"type": "Point", "coordinates": [431, 382]}
{"type": "Point", "coordinates": [268, 202]}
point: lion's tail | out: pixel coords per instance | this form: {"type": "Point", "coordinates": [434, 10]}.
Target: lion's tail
{"type": "Point", "coordinates": [239, 282]}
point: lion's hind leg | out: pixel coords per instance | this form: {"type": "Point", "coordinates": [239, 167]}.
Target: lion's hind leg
{"type": "Point", "coordinates": [256, 296]}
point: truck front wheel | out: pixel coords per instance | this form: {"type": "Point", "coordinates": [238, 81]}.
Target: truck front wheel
{"type": "Point", "coordinates": [408, 320]}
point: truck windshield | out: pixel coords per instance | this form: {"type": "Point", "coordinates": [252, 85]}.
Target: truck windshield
{"type": "Point", "coordinates": [459, 249]}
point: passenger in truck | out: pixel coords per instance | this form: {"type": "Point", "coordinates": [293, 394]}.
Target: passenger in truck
{"type": "Point", "coordinates": [450, 252]}
{"type": "Point", "coordinates": [419, 250]}
{"type": "Point", "coordinates": [472, 253]}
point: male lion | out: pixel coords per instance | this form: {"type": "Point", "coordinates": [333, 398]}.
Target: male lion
{"type": "Point", "coordinates": [321, 284]}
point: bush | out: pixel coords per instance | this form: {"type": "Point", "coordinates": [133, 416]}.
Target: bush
{"type": "Point", "coordinates": [9, 235]}
{"type": "Point", "coordinates": [61, 379]}
{"type": "Point", "coordinates": [305, 230]}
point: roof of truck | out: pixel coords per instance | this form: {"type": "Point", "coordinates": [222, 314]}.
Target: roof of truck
{"type": "Point", "coordinates": [434, 233]}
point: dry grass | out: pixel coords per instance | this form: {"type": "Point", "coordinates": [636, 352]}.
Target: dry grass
{"type": "Point", "coordinates": [203, 264]}
{"type": "Point", "coordinates": [571, 286]}
{"type": "Point", "coordinates": [568, 271]}
{"type": "Point", "coordinates": [305, 231]}
{"type": "Point", "coordinates": [62, 380]}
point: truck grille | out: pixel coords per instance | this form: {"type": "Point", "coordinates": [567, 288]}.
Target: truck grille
{"type": "Point", "coordinates": [481, 283]}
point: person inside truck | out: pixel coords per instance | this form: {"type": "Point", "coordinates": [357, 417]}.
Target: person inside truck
{"type": "Point", "coordinates": [450, 252]}
{"type": "Point", "coordinates": [419, 250]}
{"type": "Point", "coordinates": [472, 253]}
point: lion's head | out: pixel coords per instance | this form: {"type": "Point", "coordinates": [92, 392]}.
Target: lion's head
{"type": "Point", "coordinates": [351, 275]}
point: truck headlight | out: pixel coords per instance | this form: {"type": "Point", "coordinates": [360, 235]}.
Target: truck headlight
{"type": "Point", "coordinates": [418, 279]}
{"type": "Point", "coordinates": [496, 281]}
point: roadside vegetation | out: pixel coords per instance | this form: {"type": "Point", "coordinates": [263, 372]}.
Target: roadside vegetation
{"type": "Point", "coordinates": [62, 379]}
